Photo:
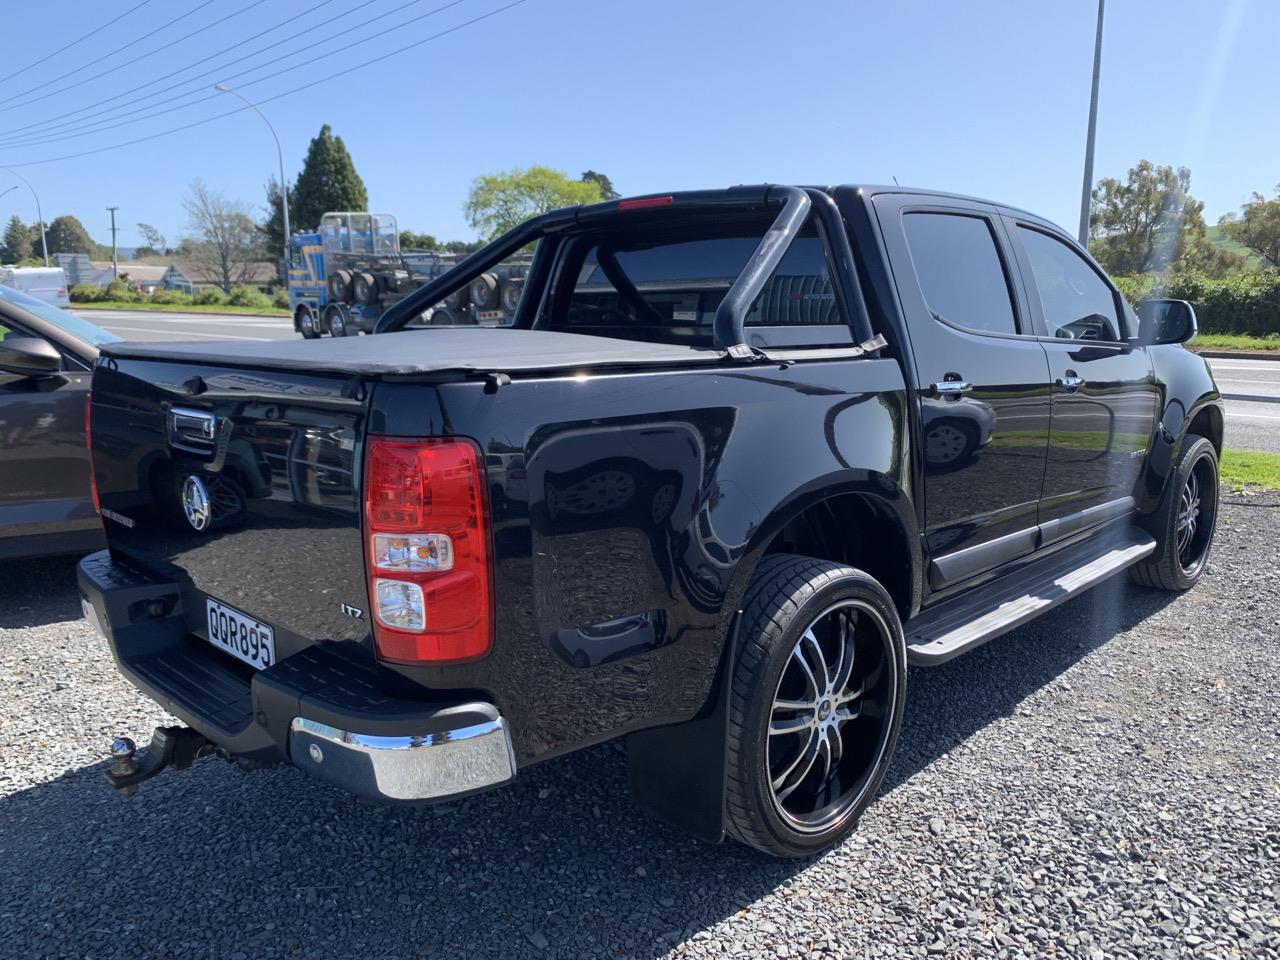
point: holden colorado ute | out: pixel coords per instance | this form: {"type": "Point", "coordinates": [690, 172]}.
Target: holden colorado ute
{"type": "Point", "coordinates": [740, 458]}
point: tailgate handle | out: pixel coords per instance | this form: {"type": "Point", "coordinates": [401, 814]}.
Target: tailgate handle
{"type": "Point", "coordinates": [194, 430]}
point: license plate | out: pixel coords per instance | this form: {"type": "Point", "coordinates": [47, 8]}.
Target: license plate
{"type": "Point", "coordinates": [240, 635]}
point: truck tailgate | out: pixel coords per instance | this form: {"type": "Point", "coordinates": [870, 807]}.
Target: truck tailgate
{"type": "Point", "coordinates": [242, 486]}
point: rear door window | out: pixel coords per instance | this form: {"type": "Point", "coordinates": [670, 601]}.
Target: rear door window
{"type": "Point", "coordinates": [960, 271]}
{"type": "Point", "coordinates": [1078, 304]}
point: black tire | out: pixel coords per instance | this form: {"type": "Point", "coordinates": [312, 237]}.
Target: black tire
{"type": "Point", "coordinates": [339, 285]}
{"type": "Point", "coordinates": [788, 598]}
{"type": "Point", "coordinates": [484, 291]}
{"type": "Point", "coordinates": [335, 320]}
{"type": "Point", "coordinates": [510, 296]}
{"type": "Point", "coordinates": [364, 287]}
{"type": "Point", "coordinates": [442, 317]}
{"type": "Point", "coordinates": [1174, 566]}
{"type": "Point", "coordinates": [307, 324]}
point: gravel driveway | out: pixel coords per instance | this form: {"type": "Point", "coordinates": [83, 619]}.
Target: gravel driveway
{"type": "Point", "coordinates": [1103, 782]}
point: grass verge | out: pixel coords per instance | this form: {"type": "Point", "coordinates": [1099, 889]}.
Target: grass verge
{"type": "Point", "coordinates": [182, 308]}
{"type": "Point", "coordinates": [1236, 341]}
{"type": "Point", "coordinates": [1251, 469]}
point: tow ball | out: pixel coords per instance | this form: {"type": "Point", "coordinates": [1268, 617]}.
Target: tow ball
{"type": "Point", "coordinates": [176, 747]}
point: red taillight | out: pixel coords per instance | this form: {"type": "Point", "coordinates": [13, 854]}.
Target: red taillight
{"type": "Point", "coordinates": [644, 203]}
{"type": "Point", "coordinates": [427, 550]}
{"type": "Point", "coordinates": [88, 443]}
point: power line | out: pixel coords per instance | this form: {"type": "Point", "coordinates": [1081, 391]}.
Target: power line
{"type": "Point", "coordinates": [287, 93]}
{"type": "Point", "coordinates": [67, 46]}
{"type": "Point", "coordinates": [109, 121]}
{"type": "Point", "coordinates": [98, 126]}
{"type": "Point", "coordinates": [121, 66]}
{"type": "Point", "coordinates": [47, 123]}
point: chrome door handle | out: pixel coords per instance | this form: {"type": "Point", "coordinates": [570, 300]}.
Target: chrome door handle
{"type": "Point", "coordinates": [1071, 383]}
{"type": "Point", "coordinates": [952, 389]}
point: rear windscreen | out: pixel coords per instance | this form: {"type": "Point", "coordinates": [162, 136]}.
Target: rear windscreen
{"type": "Point", "coordinates": [666, 288]}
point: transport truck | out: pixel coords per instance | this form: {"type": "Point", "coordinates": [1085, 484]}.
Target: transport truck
{"type": "Point", "coordinates": [343, 276]}
{"type": "Point", "coordinates": [740, 458]}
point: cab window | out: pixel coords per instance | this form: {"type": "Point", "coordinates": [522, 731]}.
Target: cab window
{"type": "Point", "coordinates": [960, 271]}
{"type": "Point", "coordinates": [1078, 304]}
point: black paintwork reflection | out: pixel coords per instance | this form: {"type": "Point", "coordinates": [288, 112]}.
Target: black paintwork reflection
{"type": "Point", "coordinates": [984, 453]}
{"type": "Point", "coordinates": [635, 508]}
{"type": "Point", "coordinates": [284, 545]}
{"type": "Point", "coordinates": [1101, 433]}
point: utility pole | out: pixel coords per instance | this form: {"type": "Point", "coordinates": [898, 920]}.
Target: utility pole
{"type": "Point", "coordinates": [1086, 192]}
{"type": "Point", "coordinates": [112, 211]}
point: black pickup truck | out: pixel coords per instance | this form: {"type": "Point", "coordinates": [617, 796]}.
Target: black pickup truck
{"type": "Point", "coordinates": [742, 457]}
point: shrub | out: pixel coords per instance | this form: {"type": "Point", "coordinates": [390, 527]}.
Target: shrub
{"type": "Point", "coordinates": [248, 297]}
{"type": "Point", "coordinates": [1243, 303]}
{"type": "Point", "coordinates": [170, 296]}
{"type": "Point", "coordinates": [85, 293]}
{"type": "Point", "coordinates": [121, 291]}
{"type": "Point", "coordinates": [281, 298]}
{"type": "Point", "coordinates": [213, 297]}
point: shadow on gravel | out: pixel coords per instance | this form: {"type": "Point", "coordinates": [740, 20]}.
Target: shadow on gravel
{"type": "Point", "coordinates": [948, 704]}
{"type": "Point", "coordinates": [213, 863]}
{"type": "Point", "coordinates": [37, 592]}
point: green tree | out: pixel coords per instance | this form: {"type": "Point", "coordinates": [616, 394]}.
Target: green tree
{"type": "Point", "coordinates": [461, 246]}
{"type": "Point", "coordinates": [499, 201]}
{"type": "Point", "coordinates": [604, 183]}
{"type": "Point", "coordinates": [328, 181]}
{"type": "Point", "coordinates": [273, 227]}
{"type": "Point", "coordinates": [1257, 227]}
{"type": "Point", "coordinates": [65, 234]}
{"type": "Point", "coordinates": [17, 245]}
{"type": "Point", "coordinates": [1150, 223]}
{"type": "Point", "coordinates": [417, 241]}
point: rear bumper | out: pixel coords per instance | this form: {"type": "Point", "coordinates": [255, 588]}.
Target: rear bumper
{"type": "Point", "coordinates": [321, 709]}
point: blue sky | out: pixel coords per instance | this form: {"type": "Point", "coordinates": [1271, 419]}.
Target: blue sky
{"type": "Point", "coordinates": [984, 97]}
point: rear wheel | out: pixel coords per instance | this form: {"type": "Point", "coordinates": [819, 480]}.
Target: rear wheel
{"type": "Point", "coordinates": [335, 319]}
{"type": "Point", "coordinates": [484, 291]}
{"type": "Point", "coordinates": [1184, 524]}
{"type": "Point", "coordinates": [817, 700]}
{"type": "Point", "coordinates": [364, 287]}
{"type": "Point", "coordinates": [339, 284]}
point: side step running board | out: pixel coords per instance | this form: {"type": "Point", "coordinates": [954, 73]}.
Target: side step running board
{"type": "Point", "coordinates": [971, 619]}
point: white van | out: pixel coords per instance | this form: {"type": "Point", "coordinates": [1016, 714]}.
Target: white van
{"type": "Point", "coordinates": [44, 283]}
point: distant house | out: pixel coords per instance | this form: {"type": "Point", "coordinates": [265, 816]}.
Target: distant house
{"type": "Point", "coordinates": [159, 273]}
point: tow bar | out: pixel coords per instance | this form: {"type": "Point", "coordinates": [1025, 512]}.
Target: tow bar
{"type": "Point", "coordinates": [177, 747]}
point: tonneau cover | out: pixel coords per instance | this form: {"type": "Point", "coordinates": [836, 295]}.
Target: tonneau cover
{"type": "Point", "coordinates": [412, 353]}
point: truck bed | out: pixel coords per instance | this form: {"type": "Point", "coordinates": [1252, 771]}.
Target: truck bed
{"type": "Point", "coordinates": [426, 353]}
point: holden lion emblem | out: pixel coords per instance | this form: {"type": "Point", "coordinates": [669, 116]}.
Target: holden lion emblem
{"type": "Point", "coordinates": [195, 503]}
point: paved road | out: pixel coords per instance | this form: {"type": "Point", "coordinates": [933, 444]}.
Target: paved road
{"type": "Point", "coordinates": [153, 325]}
{"type": "Point", "coordinates": [1251, 424]}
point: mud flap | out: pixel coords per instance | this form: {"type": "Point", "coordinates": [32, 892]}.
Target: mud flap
{"type": "Point", "coordinates": [678, 772]}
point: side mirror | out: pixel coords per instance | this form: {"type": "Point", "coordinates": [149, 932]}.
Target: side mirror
{"type": "Point", "coordinates": [1166, 321]}
{"type": "Point", "coordinates": [28, 357]}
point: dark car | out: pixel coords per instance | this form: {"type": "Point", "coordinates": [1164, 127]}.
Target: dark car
{"type": "Point", "coordinates": [46, 360]}
{"type": "Point", "coordinates": [777, 443]}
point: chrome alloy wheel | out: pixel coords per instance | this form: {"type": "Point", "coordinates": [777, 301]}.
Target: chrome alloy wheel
{"type": "Point", "coordinates": [829, 721]}
{"type": "Point", "coordinates": [1197, 507]}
